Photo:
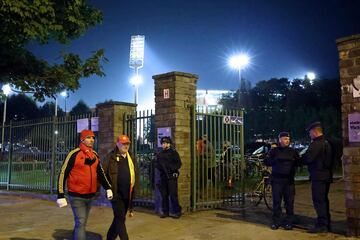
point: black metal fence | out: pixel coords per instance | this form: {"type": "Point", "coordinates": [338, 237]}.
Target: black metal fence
{"type": "Point", "coordinates": [33, 151]}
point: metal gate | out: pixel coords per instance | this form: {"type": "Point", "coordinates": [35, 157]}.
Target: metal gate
{"type": "Point", "coordinates": [35, 149]}
{"type": "Point", "coordinates": [140, 127]}
{"type": "Point", "coordinates": [218, 158]}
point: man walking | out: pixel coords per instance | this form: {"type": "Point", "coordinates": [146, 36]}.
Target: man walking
{"type": "Point", "coordinates": [120, 170]}
{"type": "Point", "coordinates": [283, 160]}
{"type": "Point", "coordinates": [81, 170]}
{"type": "Point", "coordinates": [318, 157]}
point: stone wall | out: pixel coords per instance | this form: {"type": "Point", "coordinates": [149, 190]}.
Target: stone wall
{"type": "Point", "coordinates": [111, 123]}
{"type": "Point", "coordinates": [349, 62]}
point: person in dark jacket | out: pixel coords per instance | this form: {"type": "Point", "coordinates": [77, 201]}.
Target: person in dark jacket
{"type": "Point", "coordinates": [168, 164]}
{"type": "Point", "coordinates": [283, 160]}
{"type": "Point", "coordinates": [121, 172]}
{"type": "Point", "coordinates": [318, 158]}
{"type": "Point", "coordinates": [81, 170]}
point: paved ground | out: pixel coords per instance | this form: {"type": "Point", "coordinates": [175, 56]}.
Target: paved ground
{"type": "Point", "coordinates": [24, 218]}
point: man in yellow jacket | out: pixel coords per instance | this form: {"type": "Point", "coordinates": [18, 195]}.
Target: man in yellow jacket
{"type": "Point", "coordinates": [119, 168]}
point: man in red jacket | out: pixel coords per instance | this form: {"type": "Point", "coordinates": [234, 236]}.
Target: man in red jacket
{"type": "Point", "coordinates": [81, 170]}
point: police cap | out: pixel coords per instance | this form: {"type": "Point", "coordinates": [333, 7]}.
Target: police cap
{"type": "Point", "coordinates": [313, 125]}
{"type": "Point", "coordinates": [284, 134]}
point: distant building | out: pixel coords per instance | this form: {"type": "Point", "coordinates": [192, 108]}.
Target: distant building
{"type": "Point", "coordinates": [208, 100]}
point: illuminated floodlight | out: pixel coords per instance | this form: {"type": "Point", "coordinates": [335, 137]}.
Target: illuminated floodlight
{"type": "Point", "coordinates": [136, 80]}
{"type": "Point", "coordinates": [311, 76]}
{"type": "Point", "coordinates": [6, 89]}
{"type": "Point", "coordinates": [137, 46]}
{"type": "Point", "coordinates": [239, 61]}
{"type": "Point", "coordinates": [64, 94]}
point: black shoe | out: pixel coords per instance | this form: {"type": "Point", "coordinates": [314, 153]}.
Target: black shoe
{"type": "Point", "coordinates": [176, 216]}
{"type": "Point", "coordinates": [329, 228]}
{"type": "Point", "coordinates": [288, 226]}
{"type": "Point", "coordinates": [164, 215]}
{"type": "Point", "coordinates": [274, 226]}
{"type": "Point", "coordinates": [318, 229]}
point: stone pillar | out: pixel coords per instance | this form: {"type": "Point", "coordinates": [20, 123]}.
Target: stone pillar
{"type": "Point", "coordinates": [175, 93]}
{"type": "Point", "coordinates": [111, 123]}
{"type": "Point", "coordinates": [349, 61]}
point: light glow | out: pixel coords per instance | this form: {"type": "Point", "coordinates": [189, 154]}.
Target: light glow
{"type": "Point", "coordinates": [239, 61]}
{"type": "Point", "coordinates": [6, 89]}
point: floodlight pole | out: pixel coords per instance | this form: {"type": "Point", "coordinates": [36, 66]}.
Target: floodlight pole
{"type": "Point", "coordinates": [240, 85]}
{"type": "Point", "coordinates": [136, 86]}
{"type": "Point", "coordinates": [3, 127]}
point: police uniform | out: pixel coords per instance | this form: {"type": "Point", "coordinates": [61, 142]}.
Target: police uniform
{"type": "Point", "coordinates": [318, 153]}
{"type": "Point", "coordinates": [168, 164]}
{"type": "Point", "coordinates": [283, 161]}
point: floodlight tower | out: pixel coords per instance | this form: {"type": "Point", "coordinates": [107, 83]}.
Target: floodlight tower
{"type": "Point", "coordinates": [136, 60]}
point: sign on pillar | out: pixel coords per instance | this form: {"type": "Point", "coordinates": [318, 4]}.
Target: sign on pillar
{"type": "Point", "coordinates": [166, 93]}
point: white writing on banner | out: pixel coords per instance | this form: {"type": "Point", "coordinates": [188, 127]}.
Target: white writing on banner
{"type": "Point", "coordinates": [354, 127]}
{"type": "Point", "coordinates": [95, 124]}
{"type": "Point", "coordinates": [163, 132]}
{"type": "Point", "coordinates": [233, 120]}
{"type": "Point", "coordinates": [82, 124]}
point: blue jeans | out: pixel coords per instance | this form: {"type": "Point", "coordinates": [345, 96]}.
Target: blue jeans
{"type": "Point", "coordinates": [81, 208]}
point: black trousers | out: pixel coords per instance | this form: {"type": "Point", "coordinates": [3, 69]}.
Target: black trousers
{"type": "Point", "coordinates": [118, 228]}
{"type": "Point", "coordinates": [283, 189]}
{"type": "Point", "coordinates": [320, 191]}
{"type": "Point", "coordinates": [169, 191]}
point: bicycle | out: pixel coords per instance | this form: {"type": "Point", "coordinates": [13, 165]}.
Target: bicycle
{"type": "Point", "coordinates": [262, 188]}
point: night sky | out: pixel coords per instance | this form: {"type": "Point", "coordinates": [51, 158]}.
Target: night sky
{"type": "Point", "coordinates": [283, 38]}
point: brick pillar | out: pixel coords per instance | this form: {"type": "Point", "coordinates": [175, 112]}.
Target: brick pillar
{"type": "Point", "coordinates": [175, 92]}
{"type": "Point", "coordinates": [349, 61]}
{"type": "Point", "coordinates": [111, 123]}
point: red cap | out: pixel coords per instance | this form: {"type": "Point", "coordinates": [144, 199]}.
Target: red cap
{"type": "Point", "coordinates": [123, 139]}
{"type": "Point", "coordinates": [86, 133]}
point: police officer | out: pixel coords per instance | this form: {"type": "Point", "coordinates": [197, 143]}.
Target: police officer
{"type": "Point", "coordinates": [317, 157]}
{"type": "Point", "coordinates": [168, 164]}
{"type": "Point", "coordinates": [283, 160]}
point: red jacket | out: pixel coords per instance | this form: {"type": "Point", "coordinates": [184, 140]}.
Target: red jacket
{"type": "Point", "coordinates": [81, 174]}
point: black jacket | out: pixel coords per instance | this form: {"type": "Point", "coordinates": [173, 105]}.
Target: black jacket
{"type": "Point", "coordinates": [315, 157]}
{"type": "Point", "coordinates": [110, 166]}
{"type": "Point", "coordinates": [168, 162]}
{"type": "Point", "coordinates": [283, 161]}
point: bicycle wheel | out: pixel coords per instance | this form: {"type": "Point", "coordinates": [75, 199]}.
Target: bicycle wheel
{"type": "Point", "coordinates": [267, 192]}
{"type": "Point", "coordinates": [255, 194]}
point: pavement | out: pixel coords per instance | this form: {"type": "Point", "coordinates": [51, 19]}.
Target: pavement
{"type": "Point", "coordinates": [27, 217]}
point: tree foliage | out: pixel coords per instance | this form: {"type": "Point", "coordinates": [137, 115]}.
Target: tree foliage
{"type": "Point", "coordinates": [39, 21]}
{"type": "Point", "coordinates": [278, 105]}
{"type": "Point", "coordinates": [80, 108]}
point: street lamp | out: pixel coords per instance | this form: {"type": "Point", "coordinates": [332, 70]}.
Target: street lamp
{"type": "Point", "coordinates": [65, 95]}
{"type": "Point", "coordinates": [136, 81]}
{"type": "Point", "coordinates": [6, 90]}
{"type": "Point", "coordinates": [239, 62]}
{"type": "Point", "coordinates": [311, 76]}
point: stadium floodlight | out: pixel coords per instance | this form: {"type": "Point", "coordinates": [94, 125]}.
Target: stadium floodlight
{"type": "Point", "coordinates": [137, 46]}
{"type": "Point", "coordinates": [239, 62]}
{"type": "Point", "coordinates": [136, 61]}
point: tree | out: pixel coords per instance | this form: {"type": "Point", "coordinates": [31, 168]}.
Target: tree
{"type": "Point", "coordinates": [48, 110]}
{"type": "Point", "coordinates": [277, 105]}
{"type": "Point", "coordinates": [38, 21]}
{"type": "Point", "coordinates": [20, 107]}
{"type": "Point", "coordinates": [80, 108]}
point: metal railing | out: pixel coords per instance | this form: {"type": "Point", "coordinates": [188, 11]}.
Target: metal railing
{"type": "Point", "coordinates": [140, 127]}
{"type": "Point", "coordinates": [35, 149]}
{"type": "Point", "coordinates": [218, 158]}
